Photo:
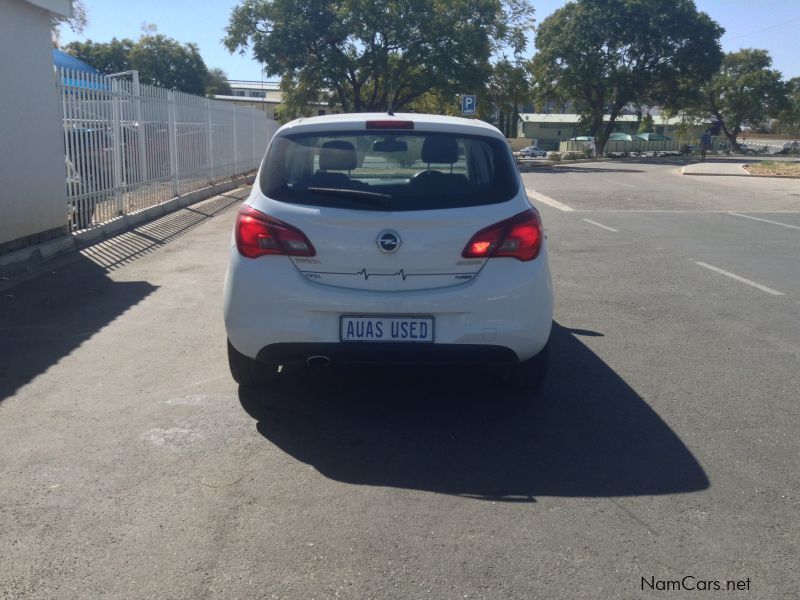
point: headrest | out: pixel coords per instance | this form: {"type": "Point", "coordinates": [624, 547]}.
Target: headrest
{"type": "Point", "coordinates": [337, 155]}
{"type": "Point", "coordinates": [439, 149]}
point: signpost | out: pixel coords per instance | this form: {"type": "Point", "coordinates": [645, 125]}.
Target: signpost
{"type": "Point", "coordinates": [468, 105]}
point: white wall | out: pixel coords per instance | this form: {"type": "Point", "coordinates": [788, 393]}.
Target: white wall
{"type": "Point", "coordinates": [32, 172]}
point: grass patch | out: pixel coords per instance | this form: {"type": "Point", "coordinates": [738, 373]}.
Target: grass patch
{"type": "Point", "coordinates": [773, 168]}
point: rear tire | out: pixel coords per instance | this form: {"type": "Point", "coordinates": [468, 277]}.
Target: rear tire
{"type": "Point", "coordinates": [249, 372]}
{"type": "Point", "coordinates": [528, 375]}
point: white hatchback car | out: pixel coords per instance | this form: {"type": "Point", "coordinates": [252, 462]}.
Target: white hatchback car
{"type": "Point", "coordinates": [375, 238]}
{"type": "Point", "coordinates": [532, 151]}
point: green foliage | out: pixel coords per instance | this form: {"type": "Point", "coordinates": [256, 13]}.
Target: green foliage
{"type": "Point", "coordinates": [110, 57]}
{"type": "Point", "coordinates": [438, 103]}
{"type": "Point", "coordinates": [691, 126]}
{"type": "Point", "coordinates": [607, 54]}
{"type": "Point", "coordinates": [160, 60]}
{"type": "Point", "coordinates": [167, 63]}
{"type": "Point", "coordinates": [744, 90]}
{"type": "Point", "coordinates": [646, 124]}
{"type": "Point", "coordinates": [217, 83]}
{"type": "Point", "coordinates": [507, 89]}
{"type": "Point", "coordinates": [789, 117]}
{"type": "Point", "coordinates": [374, 55]}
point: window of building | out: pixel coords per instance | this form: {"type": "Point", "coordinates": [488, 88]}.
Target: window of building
{"type": "Point", "coordinates": [320, 112]}
{"type": "Point", "coordinates": [238, 93]}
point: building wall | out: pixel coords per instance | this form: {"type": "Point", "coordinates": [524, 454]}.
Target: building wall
{"type": "Point", "coordinates": [32, 167]}
{"type": "Point", "coordinates": [548, 135]}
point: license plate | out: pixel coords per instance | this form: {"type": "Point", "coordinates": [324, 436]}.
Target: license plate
{"type": "Point", "coordinates": [354, 328]}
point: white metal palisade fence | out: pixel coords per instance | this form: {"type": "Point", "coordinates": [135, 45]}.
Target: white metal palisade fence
{"type": "Point", "coordinates": [128, 149]}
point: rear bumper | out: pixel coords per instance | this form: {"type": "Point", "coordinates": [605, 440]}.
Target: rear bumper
{"type": "Point", "coordinates": [504, 314]}
{"type": "Point", "coordinates": [386, 352]}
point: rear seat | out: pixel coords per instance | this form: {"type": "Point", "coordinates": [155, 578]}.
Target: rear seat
{"type": "Point", "coordinates": [336, 155]}
{"type": "Point", "coordinates": [440, 151]}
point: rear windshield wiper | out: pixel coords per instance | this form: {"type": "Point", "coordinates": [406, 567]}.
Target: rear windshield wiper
{"type": "Point", "coordinates": [371, 197]}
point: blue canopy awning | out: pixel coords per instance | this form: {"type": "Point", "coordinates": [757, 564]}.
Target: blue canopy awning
{"type": "Point", "coordinates": [62, 60]}
{"type": "Point", "coordinates": [70, 78]}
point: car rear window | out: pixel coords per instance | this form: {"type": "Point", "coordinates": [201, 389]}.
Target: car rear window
{"type": "Point", "coordinates": [394, 171]}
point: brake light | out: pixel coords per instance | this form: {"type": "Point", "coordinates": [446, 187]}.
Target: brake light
{"type": "Point", "coordinates": [258, 234]}
{"type": "Point", "coordinates": [390, 124]}
{"type": "Point", "coordinates": [519, 237]}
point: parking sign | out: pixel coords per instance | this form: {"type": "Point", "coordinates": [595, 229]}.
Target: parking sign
{"type": "Point", "coordinates": [468, 105]}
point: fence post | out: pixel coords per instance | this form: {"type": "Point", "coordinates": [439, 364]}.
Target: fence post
{"type": "Point", "coordinates": [173, 143]}
{"type": "Point", "coordinates": [137, 100]}
{"type": "Point", "coordinates": [253, 135]}
{"type": "Point", "coordinates": [116, 126]}
{"type": "Point", "coordinates": [233, 107]}
{"type": "Point", "coordinates": [210, 143]}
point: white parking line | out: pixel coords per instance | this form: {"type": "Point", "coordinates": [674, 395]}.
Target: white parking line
{"type": "Point", "coordinates": [763, 288]}
{"type": "Point", "coordinates": [733, 214]}
{"type": "Point", "coordinates": [601, 225]}
{"type": "Point", "coordinates": [548, 200]}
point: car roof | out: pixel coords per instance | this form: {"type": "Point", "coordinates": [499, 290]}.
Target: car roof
{"type": "Point", "coordinates": [422, 122]}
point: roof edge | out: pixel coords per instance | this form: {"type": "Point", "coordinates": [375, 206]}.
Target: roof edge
{"type": "Point", "coordinates": [61, 8]}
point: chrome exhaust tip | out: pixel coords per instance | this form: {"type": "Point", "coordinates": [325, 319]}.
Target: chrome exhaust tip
{"type": "Point", "coordinates": [318, 361]}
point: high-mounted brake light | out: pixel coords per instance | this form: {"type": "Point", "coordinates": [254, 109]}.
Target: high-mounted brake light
{"type": "Point", "coordinates": [519, 237]}
{"type": "Point", "coordinates": [390, 124]}
{"type": "Point", "coordinates": [258, 234]}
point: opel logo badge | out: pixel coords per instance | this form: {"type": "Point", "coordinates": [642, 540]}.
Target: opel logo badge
{"type": "Point", "coordinates": [388, 241]}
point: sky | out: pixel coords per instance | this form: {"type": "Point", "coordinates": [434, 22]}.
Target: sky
{"type": "Point", "coordinates": [769, 24]}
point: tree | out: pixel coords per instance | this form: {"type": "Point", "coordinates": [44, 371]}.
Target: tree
{"type": "Point", "coordinates": [437, 102]}
{"type": "Point", "coordinates": [110, 57]}
{"type": "Point", "coordinates": [376, 55]}
{"type": "Point", "coordinates": [789, 118]}
{"type": "Point", "coordinates": [160, 61]}
{"type": "Point", "coordinates": [608, 54]}
{"type": "Point", "coordinates": [508, 87]}
{"type": "Point", "coordinates": [77, 22]}
{"type": "Point", "coordinates": [217, 83]}
{"type": "Point", "coordinates": [646, 124]}
{"type": "Point", "coordinates": [167, 63]}
{"type": "Point", "coordinates": [745, 90]}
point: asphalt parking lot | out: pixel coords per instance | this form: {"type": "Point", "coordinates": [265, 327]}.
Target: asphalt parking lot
{"type": "Point", "coordinates": [132, 466]}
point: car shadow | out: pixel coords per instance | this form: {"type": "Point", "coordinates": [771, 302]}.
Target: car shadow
{"type": "Point", "coordinates": [456, 431]}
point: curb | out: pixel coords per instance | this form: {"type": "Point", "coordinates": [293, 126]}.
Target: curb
{"type": "Point", "coordinates": [554, 163]}
{"type": "Point", "coordinates": [39, 254]}
{"type": "Point", "coordinates": [550, 164]}
{"type": "Point", "coordinates": [743, 174]}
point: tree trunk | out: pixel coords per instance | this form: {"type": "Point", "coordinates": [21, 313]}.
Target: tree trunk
{"type": "Point", "coordinates": [599, 134]}
{"type": "Point", "coordinates": [731, 135]}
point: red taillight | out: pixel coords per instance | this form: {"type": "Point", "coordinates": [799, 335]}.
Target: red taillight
{"type": "Point", "coordinates": [519, 237]}
{"type": "Point", "coordinates": [258, 234]}
{"type": "Point", "coordinates": [390, 124]}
